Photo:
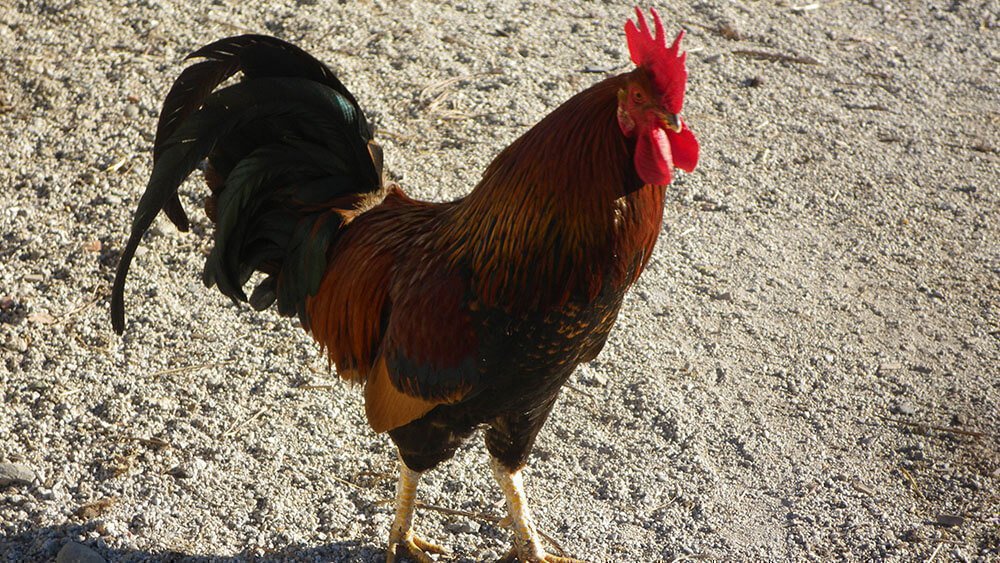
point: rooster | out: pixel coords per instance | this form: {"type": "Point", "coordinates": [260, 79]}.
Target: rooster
{"type": "Point", "coordinates": [453, 316]}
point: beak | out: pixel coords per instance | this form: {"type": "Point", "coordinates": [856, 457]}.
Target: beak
{"type": "Point", "coordinates": [670, 121]}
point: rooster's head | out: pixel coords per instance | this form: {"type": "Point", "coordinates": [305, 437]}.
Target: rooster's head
{"type": "Point", "coordinates": [649, 107]}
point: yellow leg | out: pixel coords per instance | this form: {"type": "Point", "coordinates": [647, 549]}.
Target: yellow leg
{"type": "Point", "coordinates": [527, 541]}
{"type": "Point", "coordinates": [402, 540]}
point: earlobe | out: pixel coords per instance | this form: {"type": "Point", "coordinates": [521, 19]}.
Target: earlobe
{"type": "Point", "coordinates": [625, 121]}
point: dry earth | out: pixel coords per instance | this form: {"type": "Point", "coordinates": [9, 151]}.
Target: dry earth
{"type": "Point", "coordinates": [807, 370]}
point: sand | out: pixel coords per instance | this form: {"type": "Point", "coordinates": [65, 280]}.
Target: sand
{"type": "Point", "coordinates": [807, 370]}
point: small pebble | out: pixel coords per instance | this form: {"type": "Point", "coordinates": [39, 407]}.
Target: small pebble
{"type": "Point", "coordinates": [179, 472]}
{"type": "Point", "coordinates": [15, 474]}
{"type": "Point", "coordinates": [730, 31]}
{"type": "Point", "coordinates": [913, 535]}
{"type": "Point", "coordinates": [722, 296]}
{"type": "Point", "coordinates": [594, 378]}
{"type": "Point", "coordinates": [74, 552]}
{"type": "Point", "coordinates": [889, 367]}
{"type": "Point", "coordinates": [950, 520]}
{"type": "Point", "coordinates": [904, 407]}
{"type": "Point", "coordinates": [51, 547]}
{"type": "Point", "coordinates": [15, 343]}
{"type": "Point", "coordinates": [464, 527]}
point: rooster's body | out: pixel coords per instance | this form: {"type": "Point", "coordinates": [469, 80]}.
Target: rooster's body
{"type": "Point", "coordinates": [454, 316]}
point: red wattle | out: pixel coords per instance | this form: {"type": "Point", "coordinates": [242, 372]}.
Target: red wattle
{"type": "Point", "coordinates": [684, 148]}
{"type": "Point", "coordinates": [652, 157]}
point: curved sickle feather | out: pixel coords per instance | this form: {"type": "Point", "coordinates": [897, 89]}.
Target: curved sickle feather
{"type": "Point", "coordinates": [257, 56]}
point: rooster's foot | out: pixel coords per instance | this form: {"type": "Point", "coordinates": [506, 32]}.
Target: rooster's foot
{"type": "Point", "coordinates": [402, 541]}
{"type": "Point", "coordinates": [527, 541]}
{"type": "Point", "coordinates": [412, 546]}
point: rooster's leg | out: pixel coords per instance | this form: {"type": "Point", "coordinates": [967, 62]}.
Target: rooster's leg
{"type": "Point", "coordinates": [527, 541]}
{"type": "Point", "coordinates": [402, 540]}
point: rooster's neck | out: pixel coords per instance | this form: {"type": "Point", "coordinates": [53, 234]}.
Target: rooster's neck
{"type": "Point", "coordinates": [560, 214]}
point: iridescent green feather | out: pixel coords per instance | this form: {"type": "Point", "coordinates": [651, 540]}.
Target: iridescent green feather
{"type": "Point", "coordinates": [289, 143]}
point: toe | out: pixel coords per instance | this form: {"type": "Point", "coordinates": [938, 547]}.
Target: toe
{"type": "Point", "coordinates": [425, 545]}
{"type": "Point", "coordinates": [414, 548]}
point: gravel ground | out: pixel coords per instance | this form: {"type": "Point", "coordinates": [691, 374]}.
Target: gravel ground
{"type": "Point", "coordinates": [806, 371]}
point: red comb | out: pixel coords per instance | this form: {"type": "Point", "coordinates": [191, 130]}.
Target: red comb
{"type": "Point", "coordinates": [666, 66]}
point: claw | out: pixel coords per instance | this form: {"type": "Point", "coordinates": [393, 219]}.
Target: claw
{"type": "Point", "coordinates": [412, 546]}
{"type": "Point", "coordinates": [431, 547]}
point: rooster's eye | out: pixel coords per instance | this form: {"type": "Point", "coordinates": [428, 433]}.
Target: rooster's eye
{"type": "Point", "coordinates": [637, 97]}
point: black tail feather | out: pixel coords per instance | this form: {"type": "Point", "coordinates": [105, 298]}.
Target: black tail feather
{"type": "Point", "coordinates": [292, 148]}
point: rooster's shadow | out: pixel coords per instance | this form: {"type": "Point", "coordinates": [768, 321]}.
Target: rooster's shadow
{"type": "Point", "coordinates": [43, 544]}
